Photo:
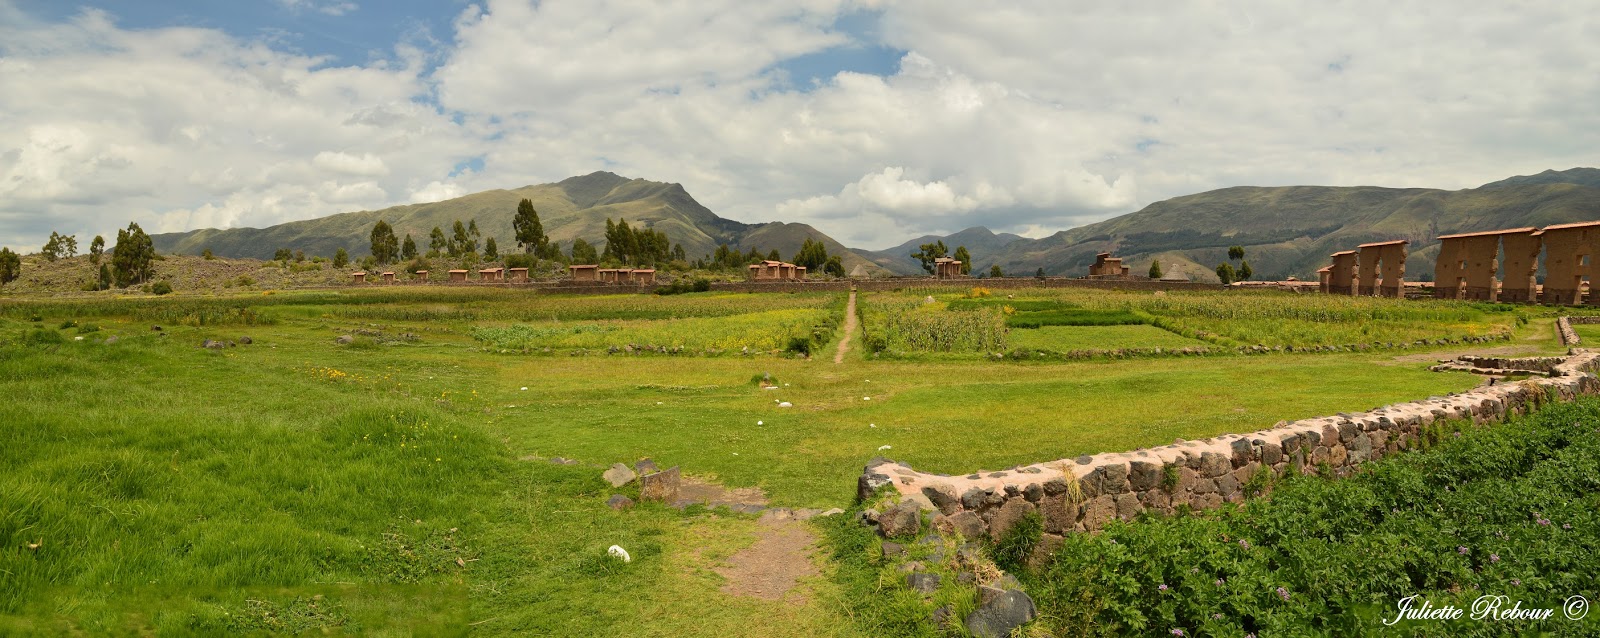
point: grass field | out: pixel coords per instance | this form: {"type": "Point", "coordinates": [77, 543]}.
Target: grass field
{"type": "Point", "coordinates": [394, 485]}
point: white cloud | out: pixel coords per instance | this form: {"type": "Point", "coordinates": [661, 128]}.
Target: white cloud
{"type": "Point", "coordinates": [1023, 116]}
{"type": "Point", "coordinates": [326, 8]}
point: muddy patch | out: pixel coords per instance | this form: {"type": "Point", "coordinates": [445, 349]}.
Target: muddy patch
{"type": "Point", "coordinates": [772, 568]}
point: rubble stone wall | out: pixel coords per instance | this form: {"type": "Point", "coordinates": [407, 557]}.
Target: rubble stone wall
{"type": "Point", "coordinates": [1085, 493]}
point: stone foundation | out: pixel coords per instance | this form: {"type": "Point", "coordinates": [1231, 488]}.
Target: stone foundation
{"type": "Point", "coordinates": [1085, 493]}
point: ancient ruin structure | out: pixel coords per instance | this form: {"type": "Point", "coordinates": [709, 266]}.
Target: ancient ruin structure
{"type": "Point", "coordinates": [622, 275]}
{"type": "Point", "coordinates": [422, 276]}
{"type": "Point", "coordinates": [358, 277]}
{"type": "Point", "coordinates": [644, 276]}
{"type": "Point", "coordinates": [388, 277]}
{"type": "Point", "coordinates": [490, 274]}
{"type": "Point", "coordinates": [518, 274]}
{"type": "Point", "coordinates": [1322, 278]}
{"type": "Point", "coordinates": [458, 276]}
{"type": "Point", "coordinates": [1569, 251]}
{"type": "Point", "coordinates": [1521, 247]}
{"type": "Point", "coordinates": [1107, 266]}
{"type": "Point", "coordinates": [585, 272]}
{"type": "Point", "coordinates": [1342, 274]}
{"type": "Point", "coordinates": [1382, 268]}
{"type": "Point", "coordinates": [946, 268]}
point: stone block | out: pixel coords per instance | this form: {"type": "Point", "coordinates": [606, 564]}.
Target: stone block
{"type": "Point", "coordinates": [1009, 515]}
{"type": "Point", "coordinates": [1143, 475]}
{"type": "Point", "coordinates": [661, 486]}
{"type": "Point", "coordinates": [943, 497]}
{"type": "Point", "coordinates": [1213, 465]}
{"type": "Point", "coordinates": [1098, 511]}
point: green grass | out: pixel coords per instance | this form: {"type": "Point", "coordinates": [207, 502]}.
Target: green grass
{"type": "Point", "coordinates": [1069, 338]}
{"type": "Point", "coordinates": [179, 490]}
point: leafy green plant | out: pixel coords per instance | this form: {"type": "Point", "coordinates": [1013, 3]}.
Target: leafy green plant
{"type": "Point", "coordinates": [1011, 552]}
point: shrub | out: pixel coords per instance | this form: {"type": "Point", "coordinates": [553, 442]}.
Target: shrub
{"type": "Point", "coordinates": [1011, 552]}
{"type": "Point", "coordinates": [161, 288]}
{"type": "Point", "coordinates": [42, 337]}
{"type": "Point", "coordinates": [244, 280]}
{"type": "Point", "coordinates": [88, 328]}
{"type": "Point", "coordinates": [68, 324]}
{"type": "Point", "coordinates": [800, 345]}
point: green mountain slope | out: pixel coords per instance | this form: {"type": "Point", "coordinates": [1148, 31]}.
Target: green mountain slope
{"type": "Point", "coordinates": [569, 209]}
{"type": "Point", "coordinates": [1291, 230]}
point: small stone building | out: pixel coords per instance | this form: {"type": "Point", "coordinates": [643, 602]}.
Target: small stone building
{"type": "Point", "coordinates": [1382, 268]}
{"type": "Point", "coordinates": [489, 274]}
{"type": "Point", "coordinates": [458, 276]}
{"type": "Point", "coordinates": [769, 270]}
{"type": "Point", "coordinates": [623, 275]}
{"type": "Point", "coordinates": [1342, 274]}
{"type": "Point", "coordinates": [1322, 278]}
{"type": "Point", "coordinates": [1107, 266]}
{"type": "Point", "coordinates": [518, 274]}
{"type": "Point", "coordinates": [388, 277]}
{"type": "Point", "coordinates": [422, 276]}
{"type": "Point", "coordinates": [586, 272]}
{"type": "Point", "coordinates": [946, 268]}
{"type": "Point", "coordinates": [644, 276]}
{"type": "Point", "coordinates": [358, 277]}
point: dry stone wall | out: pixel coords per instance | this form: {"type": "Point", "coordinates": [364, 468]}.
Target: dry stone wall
{"type": "Point", "coordinates": [1085, 493]}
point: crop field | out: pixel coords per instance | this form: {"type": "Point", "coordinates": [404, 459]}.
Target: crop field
{"type": "Point", "coordinates": [399, 481]}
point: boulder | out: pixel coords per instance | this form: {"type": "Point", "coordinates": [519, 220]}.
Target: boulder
{"type": "Point", "coordinates": [890, 550]}
{"type": "Point", "coordinates": [646, 466]}
{"type": "Point", "coordinates": [1059, 514]}
{"type": "Point", "coordinates": [1113, 478]}
{"type": "Point", "coordinates": [943, 497]}
{"type": "Point", "coordinates": [619, 502]}
{"type": "Point", "coordinates": [1143, 475]}
{"type": "Point", "coordinates": [871, 479]}
{"type": "Point", "coordinates": [1213, 465]}
{"type": "Point", "coordinates": [922, 582]}
{"type": "Point", "coordinates": [619, 475]}
{"type": "Point", "coordinates": [246, 340]}
{"type": "Point", "coordinates": [213, 345]}
{"type": "Point", "coordinates": [1044, 551]}
{"type": "Point", "coordinates": [1009, 515]}
{"type": "Point", "coordinates": [1099, 510]}
{"type": "Point", "coordinates": [974, 499]}
{"type": "Point", "coordinates": [965, 523]}
{"type": "Point", "coordinates": [345, 340]}
{"type": "Point", "coordinates": [1002, 614]}
{"type": "Point", "coordinates": [661, 486]}
{"type": "Point", "coordinates": [904, 519]}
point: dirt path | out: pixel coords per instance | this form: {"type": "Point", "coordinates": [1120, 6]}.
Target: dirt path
{"type": "Point", "coordinates": [772, 567]}
{"type": "Point", "coordinates": [849, 328]}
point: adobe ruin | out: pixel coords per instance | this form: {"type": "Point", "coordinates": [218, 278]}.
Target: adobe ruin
{"type": "Point", "coordinates": [358, 277]}
{"type": "Point", "coordinates": [1382, 268]}
{"type": "Point", "coordinates": [1569, 251]}
{"type": "Point", "coordinates": [518, 274]}
{"type": "Point", "coordinates": [422, 276]}
{"type": "Point", "coordinates": [769, 270]}
{"type": "Point", "coordinates": [947, 268]}
{"type": "Point", "coordinates": [1342, 274]}
{"type": "Point", "coordinates": [584, 272]}
{"type": "Point", "coordinates": [388, 277]}
{"type": "Point", "coordinates": [458, 276]}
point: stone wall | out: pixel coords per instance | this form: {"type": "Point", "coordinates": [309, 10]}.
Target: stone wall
{"type": "Point", "coordinates": [1085, 493]}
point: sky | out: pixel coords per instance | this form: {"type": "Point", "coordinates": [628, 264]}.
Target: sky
{"type": "Point", "coordinates": [873, 120]}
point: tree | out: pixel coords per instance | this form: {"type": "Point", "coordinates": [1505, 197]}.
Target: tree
{"type": "Point", "coordinates": [834, 266]}
{"type": "Point", "coordinates": [52, 248]}
{"type": "Point", "coordinates": [105, 277]}
{"type": "Point", "coordinates": [1039, 274]}
{"type": "Point", "coordinates": [1245, 273]}
{"type": "Point", "coordinates": [965, 258]}
{"type": "Point", "coordinates": [994, 271]}
{"type": "Point", "coordinates": [283, 255]}
{"type": "Point", "coordinates": [530, 232]}
{"type": "Point", "coordinates": [1225, 273]}
{"type": "Point", "coordinates": [131, 257]}
{"type": "Point", "coordinates": [206, 255]}
{"type": "Point", "coordinates": [774, 256]}
{"type": "Point", "coordinates": [1155, 269]}
{"type": "Point", "coordinates": [1235, 253]}
{"type": "Point", "coordinates": [10, 266]}
{"type": "Point", "coordinates": [926, 253]}
{"type": "Point", "coordinates": [299, 256]}
{"type": "Point", "coordinates": [583, 252]}
{"type": "Point", "coordinates": [97, 248]}
{"type": "Point", "coordinates": [460, 240]}
{"type": "Point", "coordinates": [678, 254]}
{"type": "Point", "coordinates": [812, 255]}
{"type": "Point", "coordinates": [340, 258]}
{"type": "Point", "coordinates": [69, 246]}
{"type": "Point", "coordinates": [491, 251]}
{"type": "Point", "coordinates": [437, 244]}
{"type": "Point", "coordinates": [385, 246]}
{"type": "Point", "coordinates": [408, 248]}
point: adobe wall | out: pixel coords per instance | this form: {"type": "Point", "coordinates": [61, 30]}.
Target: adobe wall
{"type": "Point", "coordinates": [1342, 279]}
{"type": "Point", "coordinates": [1482, 263]}
{"type": "Point", "coordinates": [1521, 265]}
{"type": "Point", "coordinates": [1382, 270]}
{"type": "Point", "coordinates": [1450, 268]}
{"type": "Point", "coordinates": [1565, 251]}
{"type": "Point", "coordinates": [1086, 493]}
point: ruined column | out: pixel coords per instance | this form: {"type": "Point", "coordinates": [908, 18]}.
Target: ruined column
{"type": "Point", "coordinates": [1342, 277]}
{"type": "Point", "coordinates": [1383, 268]}
{"type": "Point", "coordinates": [1569, 249]}
{"type": "Point", "coordinates": [1521, 247]}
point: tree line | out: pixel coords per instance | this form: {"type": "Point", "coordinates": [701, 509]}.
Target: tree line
{"type": "Point", "coordinates": [131, 258]}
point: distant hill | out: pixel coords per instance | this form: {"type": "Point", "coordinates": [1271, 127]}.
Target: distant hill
{"type": "Point", "coordinates": [982, 243]}
{"type": "Point", "coordinates": [572, 208]}
{"type": "Point", "coordinates": [1291, 230]}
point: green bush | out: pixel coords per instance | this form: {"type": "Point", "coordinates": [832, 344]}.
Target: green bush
{"type": "Point", "coordinates": [800, 345]}
{"type": "Point", "coordinates": [161, 288]}
{"type": "Point", "coordinates": [1011, 552]}
{"type": "Point", "coordinates": [42, 337]}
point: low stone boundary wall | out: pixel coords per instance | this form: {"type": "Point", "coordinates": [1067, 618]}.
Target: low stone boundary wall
{"type": "Point", "coordinates": [1499, 365]}
{"type": "Point", "coordinates": [1085, 493]}
{"type": "Point", "coordinates": [1569, 337]}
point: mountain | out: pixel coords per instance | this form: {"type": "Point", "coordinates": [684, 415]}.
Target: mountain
{"type": "Point", "coordinates": [572, 208]}
{"type": "Point", "coordinates": [982, 243]}
{"type": "Point", "coordinates": [1581, 176]}
{"type": "Point", "coordinates": [1291, 230]}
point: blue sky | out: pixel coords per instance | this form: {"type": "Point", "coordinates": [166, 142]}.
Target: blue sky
{"type": "Point", "coordinates": [873, 120]}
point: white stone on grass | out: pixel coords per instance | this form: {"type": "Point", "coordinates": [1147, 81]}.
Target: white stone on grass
{"type": "Point", "coordinates": [619, 552]}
